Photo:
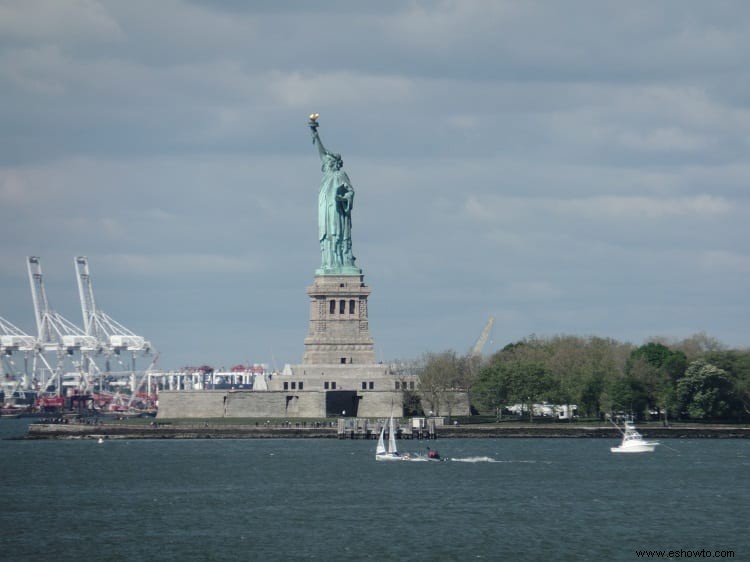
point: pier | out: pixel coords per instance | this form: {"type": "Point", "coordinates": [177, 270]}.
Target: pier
{"type": "Point", "coordinates": [363, 428]}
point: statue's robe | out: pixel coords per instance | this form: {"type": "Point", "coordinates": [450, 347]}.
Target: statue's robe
{"type": "Point", "coordinates": [334, 218]}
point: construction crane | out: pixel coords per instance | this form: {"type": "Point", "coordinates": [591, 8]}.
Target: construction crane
{"type": "Point", "coordinates": [477, 349]}
{"type": "Point", "coordinates": [54, 332]}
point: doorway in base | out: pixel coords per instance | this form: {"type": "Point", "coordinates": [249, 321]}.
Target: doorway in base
{"type": "Point", "coordinates": [342, 403]}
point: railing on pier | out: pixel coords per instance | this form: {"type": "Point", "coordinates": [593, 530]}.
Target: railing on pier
{"type": "Point", "coordinates": [364, 428]}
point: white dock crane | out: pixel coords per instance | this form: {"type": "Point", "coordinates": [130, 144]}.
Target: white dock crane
{"type": "Point", "coordinates": [14, 340]}
{"type": "Point", "coordinates": [113, 338]}
{"type": "Point", "coordinates": [54, 332]}
{"type": "Point", "coordinates": [97, 323]}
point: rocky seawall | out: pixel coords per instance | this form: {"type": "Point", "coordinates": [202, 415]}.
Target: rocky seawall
{"type": "Point", "coordinates": [176, 430]}
{"type": "Point", "coordinates": [173, 431]}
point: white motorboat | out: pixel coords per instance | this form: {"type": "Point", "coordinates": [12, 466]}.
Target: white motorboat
{"type": "Point", "coordinates": [632, 441]}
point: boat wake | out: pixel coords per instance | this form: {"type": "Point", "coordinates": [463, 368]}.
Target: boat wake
{"type": "Point", "coordinates": [490, 459]}
{"type": "Point", "coordinates": [475, 459]}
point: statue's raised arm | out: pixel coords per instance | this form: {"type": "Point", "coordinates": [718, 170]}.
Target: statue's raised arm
{"type": "Point", "coordinates": [313, 124]}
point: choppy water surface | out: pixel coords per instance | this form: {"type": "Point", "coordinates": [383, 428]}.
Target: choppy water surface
{"type": "Point", "coordinates": [514, 499]}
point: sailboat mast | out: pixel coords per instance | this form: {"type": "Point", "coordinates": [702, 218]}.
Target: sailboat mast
{"type": "Point", "coordinates": [391, 438]}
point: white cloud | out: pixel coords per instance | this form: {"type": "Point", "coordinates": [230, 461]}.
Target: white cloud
{"type": "Point", "coordinates": [35, 70]}
{"type": "Point", "coordinates": [491, 209]}
{"type": "Point", "coordinates": [533, 291]}
{"type": "Point", "coordinates": [725, 261]}
{"type": "Point", "coordinates": [698, 207]}
{"type": "Point", "coordinates": [173, 266]}
{"type": "Point", "coordinates": [55, 20]}
{"type": "Point", "coordinates": [666, 139]}
{"type": "Point", "coordinates": [303, 90]}
{"type": "Point", "coordinates": [440, 26]}
{"type": "Point", "coordinates": [13, 188]}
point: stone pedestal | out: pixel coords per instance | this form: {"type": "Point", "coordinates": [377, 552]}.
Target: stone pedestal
{"type": "Point", "coordinates": [339, 331]}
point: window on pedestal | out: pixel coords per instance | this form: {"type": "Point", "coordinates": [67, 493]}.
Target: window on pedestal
{"type": "Point", "coordinates": [332, 306]}
{"type": "Point", "coordinates": [351, 306]}
{"type": "Point", "coordinates": [342, 306]}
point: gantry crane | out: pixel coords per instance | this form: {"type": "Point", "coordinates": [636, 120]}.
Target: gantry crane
{"type": "Point", "coordinates": [14, 340]}
{"type": "Point", "coordinates": [96, 323]}
{"type": "Point", "coordinates": [54, 332]}
{"type": "Point", "coordinates": [113, 338]}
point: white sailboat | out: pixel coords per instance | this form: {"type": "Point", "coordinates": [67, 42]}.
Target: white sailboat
{"type": "Point", "coordinates": [389, 453]}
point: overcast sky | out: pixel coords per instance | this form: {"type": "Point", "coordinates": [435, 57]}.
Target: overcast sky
{"type": "Point", "coordinates": [567, 167]}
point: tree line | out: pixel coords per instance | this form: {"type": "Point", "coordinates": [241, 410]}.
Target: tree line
{"type": "Point", "coordinates": [697, 378]}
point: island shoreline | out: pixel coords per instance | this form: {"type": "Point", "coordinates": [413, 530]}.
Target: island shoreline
{"type": "Point", "coordinates": [208, 430]}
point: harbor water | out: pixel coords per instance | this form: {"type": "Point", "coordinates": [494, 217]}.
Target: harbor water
{"type": "Point", "coordinates": [327, 499]}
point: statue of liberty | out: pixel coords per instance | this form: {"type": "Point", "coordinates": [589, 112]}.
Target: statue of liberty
{"type": "Point", "coordinates": [335, 203]}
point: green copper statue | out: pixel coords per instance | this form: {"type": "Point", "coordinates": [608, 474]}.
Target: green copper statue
{"type": "Point", "coordinates": [335, 203]}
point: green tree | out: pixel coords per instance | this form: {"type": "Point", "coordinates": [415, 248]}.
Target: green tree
{"type": "Point", "coordinates": [705, 391]}
{"type": "Point", "coordinates": [576, 369]}
{"type": "Point", "coordinates": [607, 359]}
{"type": "Point", "coordinates": [490, 390]}
{"type": "Point", "coordinates": [599, 374]}
{"type": "Point", "coordinates": [652, 353]}
{"type": "Point", "coordinates": [590, 397]}
{"type": "Point", "coordinates": [658, 368]}
{"type": "Point", "coordinates": [736, 364]}
{"type": "Point", "coordinates": [698, 345]}
{"type": "Point", "coordinates": [628, 394]}
{"type": "Point", "coordinates": [512, 380]}
{"type": "Point", "coordinates": [440, 373]}
{"type": "Point", "coordinates": [530, 383]}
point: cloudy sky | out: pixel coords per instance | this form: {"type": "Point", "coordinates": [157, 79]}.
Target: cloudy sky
{"type": "Point", "coordinates": [566, 167]}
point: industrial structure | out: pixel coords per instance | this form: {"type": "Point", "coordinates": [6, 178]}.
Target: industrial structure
{"type": "Point", "coordinates": [112, 337]}
{"type": "Point", "coordinates": [94, 368]}
{"type": "Point", "coordinates": [65, 365]}
{"type": "Point", "coordinates": [476, 351]}
{"type": "Point", "coordinates": [14, 341]}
